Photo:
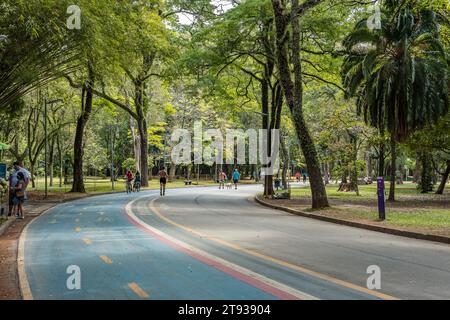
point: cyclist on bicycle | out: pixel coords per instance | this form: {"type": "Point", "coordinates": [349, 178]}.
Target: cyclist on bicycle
{"type": "Point", "coordinates": [129, 178]}
{"type": "Point", "coordinates": [137, 182]}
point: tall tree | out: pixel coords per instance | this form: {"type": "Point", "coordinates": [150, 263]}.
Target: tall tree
{"type": "Point", "coordinates": [137, 52]}
{"type": "Point", "coordinates": [33, 51]}
{"type": "Point", "coordinates": [288, 53]}
{"type": "Point", "coordinates": [399, 73]}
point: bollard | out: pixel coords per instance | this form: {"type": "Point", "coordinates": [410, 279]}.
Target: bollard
{"type": "Point", "coordinates": [381, 199]}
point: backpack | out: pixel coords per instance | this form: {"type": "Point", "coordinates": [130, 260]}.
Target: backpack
{"type": "Point", "coordinates": [20, 193]}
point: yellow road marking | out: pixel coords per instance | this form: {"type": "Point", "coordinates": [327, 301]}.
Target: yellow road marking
{"type": "Point", "coordinates": [77, 229]}
{"type": "Point", "coordinates": [138, 290]}
{"type": "Point", "coordinates": [106, 260]}
{"type": "Point", "coordinates": [87, 241]}
{"type": "Point", "coordinates": [272, 259]}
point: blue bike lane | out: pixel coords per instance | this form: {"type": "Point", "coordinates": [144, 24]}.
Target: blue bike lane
{"type": "Point", "coordinates": [117, 259]}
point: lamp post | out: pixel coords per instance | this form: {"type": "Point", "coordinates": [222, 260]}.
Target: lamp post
{"type": "Point", "coordinates": [46, 141]}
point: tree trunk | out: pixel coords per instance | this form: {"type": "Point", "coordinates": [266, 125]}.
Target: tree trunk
{"type": "Point", "coordinates": [66, 172]}
{"type": "Point", "coordinates": [369, 166]}
{"type": "Point", "coordinates": [393, 169]}
{"type": "Point", "coordinates": [294, 98]}
{"type": "Point", "coordinates": [354, 173]}
{"type": "Point", "coordinates": [426, 179]}
{"type": "Point", "coordinates": [441, 188]}
{"type": "Point", "coordinates": [400, 177]}
{"type": "Point", "coordinates": [268, 180]}
{"type": "Point", "coordinates": [86, 104]}
{"type": "Point", "coordinates": [326, 173]}
{"type": "Point", "coordinates": [142, 123]}
{"type": "Point", "coordinates": [417, 170]}
{"type": "Point", "coordinates": [143, 131]}
{"type": "Point", "coordinates": [135, 135]}
{"type": "Point", "coordinates": [136, 144]}
{"type": "Point", "coordinates": [32, 172]}
{"type": "Point", "coordinates": [286, 162]}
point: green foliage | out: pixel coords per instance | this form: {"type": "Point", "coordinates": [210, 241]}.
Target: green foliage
{"type": "Point", "coordinates": [129, 164]}
{"type": "Point", "coordinates": [425, 184]}
{"type": "Point", "coordinates": [399, 74]}
{"type": "Point", "coordinates": [210, 70]}
{"type": "Point", "coordinates": [35, 46]}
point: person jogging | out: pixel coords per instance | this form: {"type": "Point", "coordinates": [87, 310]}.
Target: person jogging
{"type": "Point", "coordinates": [162, 181]}
{"type": "Point", "coordinates": [222, 179]}
{"type": "Point", "coordinates": [236, 177]}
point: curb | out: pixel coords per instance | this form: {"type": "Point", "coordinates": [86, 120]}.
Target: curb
{"type": "Point", "coordinates": [5, 225]}
{"type": "Point", "coordinates": [395, 232]}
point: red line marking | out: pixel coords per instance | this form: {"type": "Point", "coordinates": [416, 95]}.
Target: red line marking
{"type": "Point", "coordinates": [219, 266]}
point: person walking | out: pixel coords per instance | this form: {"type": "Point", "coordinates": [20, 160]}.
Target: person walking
{"type": "Point", "coordinates": [236, 177]}
{"type": "Point", "coordinates": [13, 179]}
{"type": "Point", "coordinates": [162, 181]}
{"type": "Point", "coordinates": [222, 179]}
{"type": "Point", "coordinates": [19, 195]}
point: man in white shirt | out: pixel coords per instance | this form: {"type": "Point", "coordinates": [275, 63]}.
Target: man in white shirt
{"type": "Point", "coordinates": [13, 179]}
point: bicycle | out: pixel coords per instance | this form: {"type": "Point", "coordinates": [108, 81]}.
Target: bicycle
{"type": "Point", "coordinates": [137, 186]}
{"type": "Point", "coordinates": [129, 187]}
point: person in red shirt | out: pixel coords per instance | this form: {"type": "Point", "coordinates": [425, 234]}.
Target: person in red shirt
{"type": "Point", "coordinates": [129, 177]}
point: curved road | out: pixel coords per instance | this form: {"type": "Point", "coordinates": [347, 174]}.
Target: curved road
{"type": "Point", "coordinates": [202, 243]}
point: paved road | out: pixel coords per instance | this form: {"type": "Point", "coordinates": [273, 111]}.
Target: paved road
{"type": "Point", "coordinates": [203, 243]}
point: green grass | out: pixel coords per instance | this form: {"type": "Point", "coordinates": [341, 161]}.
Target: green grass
{"type": "Point", "coordinates": [366, 192]}
{"type": "Point", "coordinates": [425, 218]}
{"type": "Point", "coordinates": [420, 218]}
{"type": "Point", "coordinates": [412, 209]}
{"type": "Point", "coordinates": [99, 185]}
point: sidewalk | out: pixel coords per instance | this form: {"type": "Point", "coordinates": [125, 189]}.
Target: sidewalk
{"type": "Point", "coordinates": [9, 279]}
{"type": "Point", "coordinates": [377, 226]}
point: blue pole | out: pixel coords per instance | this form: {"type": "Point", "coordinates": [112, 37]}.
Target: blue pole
{"type": "Point", "coordinates": [381, 199]}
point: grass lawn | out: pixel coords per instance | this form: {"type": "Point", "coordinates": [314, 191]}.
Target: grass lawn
{"type": "Point", "coordinates": [412, 210]}
{"type": "Point", "coordinates": [99, 185]}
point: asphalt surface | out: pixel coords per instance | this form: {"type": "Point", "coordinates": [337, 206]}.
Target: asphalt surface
{"type": "Point", "coordinates": [202, 243]}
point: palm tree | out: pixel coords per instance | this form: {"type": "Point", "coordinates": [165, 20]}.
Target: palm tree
{"type": "Point", "coordinates": [398, 73]}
